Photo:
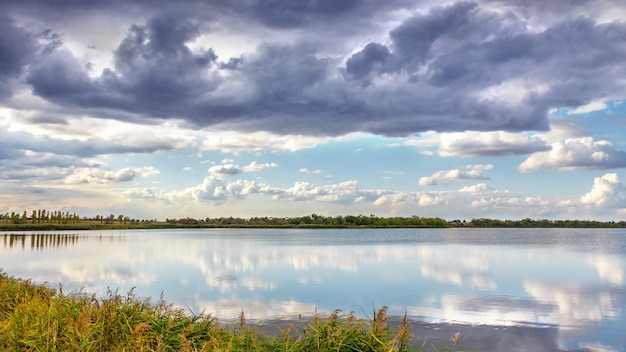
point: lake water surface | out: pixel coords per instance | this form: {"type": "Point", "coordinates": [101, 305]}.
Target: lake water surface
{"type": "Point", "coordinates": [536, 289]}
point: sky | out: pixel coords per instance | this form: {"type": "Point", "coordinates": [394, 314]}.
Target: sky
{"type": "Point", "coordinates": [158, 109]}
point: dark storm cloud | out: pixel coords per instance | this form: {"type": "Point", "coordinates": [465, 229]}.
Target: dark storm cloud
{"type": "Point", "coordinates": [62, 78]}
{"type": "Point", "coordinates": [287, 13]}
{"type": "Point", "coordinates": [49, 119]}
{"type": "Point", "coordinates": [284, 73]}
{"type": "Point", "coordinates": [154, 67]}
{"type": "Point", "coordinates": [154, 72]}
{"type": "Point", "coordinates": [278, 14]}
{"type": "Point", "coordinates": [554, 7]}
{"type": "Point", "coordinates": [447, 68]}
{"type": "Point", "coordinates": [468, 50]}
{"type": "Point", "coordinates": [413, 39]}
{"type": "Point", "coordinates": [17, 46]}
{"type": "Point", "coordinates": [371, 60]}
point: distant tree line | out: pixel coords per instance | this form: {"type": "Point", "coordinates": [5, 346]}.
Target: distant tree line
{"type": "Point", "coordinates": [43, 216]}
{"type": "Point", "coordinates": [316, 220]}
{"type": "Point", "coordinates": [544, 223]}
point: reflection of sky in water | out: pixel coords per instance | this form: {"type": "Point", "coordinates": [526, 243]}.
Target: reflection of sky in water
{"type": "Point", "coordinates": [573, 279]}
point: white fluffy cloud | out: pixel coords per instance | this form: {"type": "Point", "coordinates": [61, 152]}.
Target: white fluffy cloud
{"type": "Point", "coordinates": [305, 170]}
{"type": "Point", "coordinates": [344, 192]}
{"type": "Point", "coordinates": [575, 154]}
{"type": "Point", "coordinates": [216, 190]}
{"type": "Point", "coordinates": [225, 170]}
{"type": "Point", "coordinates": [536, 205]}
{"type": "Point", "coordinates": [562, 129]}
{"type": "Point", "coordinates": [88, 175]}
{"type": "Point", "coordinates": [596, 105]}
{"type": "Point", "coordinates": [233, 169]}
{"type": "Point", "coordinates": [481, 187]}
{"type": "Point", "coordinates": [471, 172]}
{"type": "Point", "coordinates": [237, 142]}
{"type": "Point", "coordinates": [607, 191]}
{"type": "Point", "coordinates": [256, 167]}
{"type": "Point", "coordinates": [476, 144]}
{"type": "Point", "coordinates": [567, 146]}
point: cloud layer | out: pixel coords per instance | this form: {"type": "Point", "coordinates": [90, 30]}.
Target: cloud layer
{"type": "Point", "coordinates": [450, 67]}
{"type": "Point", "coordinates": [576, 153]}
{"type": "Point", "coordinates": [471, 172]}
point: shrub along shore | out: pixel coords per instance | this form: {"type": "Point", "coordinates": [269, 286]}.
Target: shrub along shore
{"type": "Point", "coordinates": [35, 317]}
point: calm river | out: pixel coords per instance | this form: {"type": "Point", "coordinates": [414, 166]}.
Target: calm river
{"type": "Point", "coordinates": [505, 289]}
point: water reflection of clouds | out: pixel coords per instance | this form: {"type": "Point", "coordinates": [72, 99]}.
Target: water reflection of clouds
{"type": "Point", "coordinates": [466, 266]}
{"type": "Point", "coordinates": [254, 309]}
{"type": "Point", "coordinates": [255, 284]}
{"type": "Point", "coordinates": [597, 347]}
{"type": "Point", "coordinates": [609, 268]}
{"type": "Point", "coordinates": [477, 262]}
{"type": "Point", "coordinates": [503, 311]}
{"type": "Point", "coordinates": [561, 288]}
{"type": "Point", "coordinates": [460, 265]}
{"type": "Point", "coordinates": [298, 258]}
{"type": "Point", "coordinates": [304, 280]}
{"type": "Point", "coordinates": [223, 282]}
{"type": "Point", "coordinates": [122, 275]}
{"type": "Point", "coordinates": [220, 261]}
{"type": "Point", "coordinates": [573, 308]}
{"type": "Point", "coordinates": [226, 283]}
{"type": "Point", "coordinates": [91, 279]}
{"type": "Point", "coordinates": [575, 305]}
{"type": "Point", "coordinates": [473, 280]}
{"type": "Point", "coordinates": [249, 259]}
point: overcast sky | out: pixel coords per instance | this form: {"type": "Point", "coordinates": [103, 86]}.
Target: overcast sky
{"type": "Point", "coordinates": [163, 109]}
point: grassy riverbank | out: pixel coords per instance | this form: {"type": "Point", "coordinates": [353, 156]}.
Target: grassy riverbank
{"type": "Point", "coordinates": [34, 317]}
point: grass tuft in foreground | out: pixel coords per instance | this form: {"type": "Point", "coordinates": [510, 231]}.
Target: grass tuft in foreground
{"type": "Point", "coordinates": [34, 317]}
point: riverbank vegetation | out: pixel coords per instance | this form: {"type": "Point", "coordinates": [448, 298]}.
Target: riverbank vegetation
{"type": "Point", "coordinates": [34, 317]}
{"type": "Point", "coordinates": [58, 220]}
